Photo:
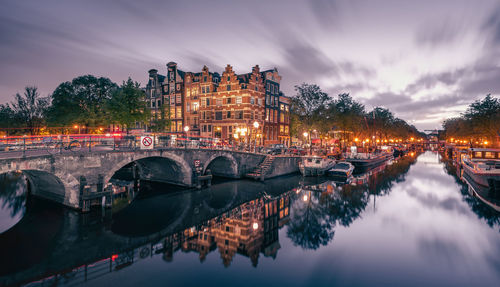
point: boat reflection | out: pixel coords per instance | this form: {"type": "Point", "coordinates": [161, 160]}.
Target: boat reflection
{"type": "Point", "coordinates": [481, 209]}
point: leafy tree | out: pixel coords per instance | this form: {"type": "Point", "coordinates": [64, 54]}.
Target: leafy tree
{"type": "Point", "coordinates": [127, 105]}
{"type": "Point", "coordinates": [484, 116]}
{"type": "Point", "coordinates": [309, 109]}
{"type": "Point", "coordinates": [7, 118]}
{"type": "Point", "coordinates": [348, 115]}
{"type": "Point", "coordinates": [29, 109]}
{"type": "Point", "coordinates": [81, 101]}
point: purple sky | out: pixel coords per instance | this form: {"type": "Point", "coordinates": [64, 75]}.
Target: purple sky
{"type": "Point", "coordinates": [425, 60]}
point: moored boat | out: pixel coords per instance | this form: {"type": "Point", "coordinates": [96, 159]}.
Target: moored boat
{"type": "Point", "coordinates": [343, 169]}
{"type": "Point", "coordinates": [489, 195]}
{"type": "Point", "coordinates": [315, 165]}
{"type": "Point", "coordinates": [364, 161]}
{"type": "Point", "coordinates": [482, 165]}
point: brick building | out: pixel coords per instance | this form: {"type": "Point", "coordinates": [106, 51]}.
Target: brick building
{"type": "Point", "coordinates": [245, 108]}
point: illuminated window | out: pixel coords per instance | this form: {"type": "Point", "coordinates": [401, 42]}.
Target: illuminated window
{"type": "Point", "coordinates": [219, 102]}
{"type": "Point", "coordinates": [195, 107]}
{"type": "Point", "coordinates": [489, 154]}
{"type": "Point", "coordinates": [238, 100]}
{"type": "Point", "coordinates": [178, 113]}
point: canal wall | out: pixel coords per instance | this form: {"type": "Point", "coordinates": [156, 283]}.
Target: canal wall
{"type": "Point", "coordinates": [283, 165]}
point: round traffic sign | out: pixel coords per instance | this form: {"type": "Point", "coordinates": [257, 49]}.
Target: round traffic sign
{"type": "Point", "coordinates": [147, 141]}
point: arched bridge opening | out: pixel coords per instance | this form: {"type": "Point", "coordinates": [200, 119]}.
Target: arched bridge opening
{"type": "Point", "coordinates": [224, 166]}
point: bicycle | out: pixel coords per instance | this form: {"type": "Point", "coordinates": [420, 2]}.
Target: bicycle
{"type": "Point", "coordinates": [56, 147]}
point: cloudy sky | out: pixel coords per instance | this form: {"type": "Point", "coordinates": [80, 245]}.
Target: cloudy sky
{"type": "Point", "coordinates": [424, 59]}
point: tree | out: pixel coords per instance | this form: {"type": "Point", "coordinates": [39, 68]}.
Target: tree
{"type": "Point", "coordinates": [308, 109]}
{"type": "Point", "coordinates": [127, 105]}
{"type": "Point", "coordinates": [348, 115]}
{"type": "Point", "coordinates": [484, 116]}
{"type": "Point", "coordinates": [29, 109]}
{"type": "Point", "coordinates": [81, 101]}
{"type": "Point", "coordinates": [7, 118]}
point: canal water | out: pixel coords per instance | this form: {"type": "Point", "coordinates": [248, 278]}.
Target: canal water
{"type": "Point", "coordinates": [408, 223]}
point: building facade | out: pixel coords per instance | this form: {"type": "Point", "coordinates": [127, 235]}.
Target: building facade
{"type": "Point", "coordinates": [235, 108]}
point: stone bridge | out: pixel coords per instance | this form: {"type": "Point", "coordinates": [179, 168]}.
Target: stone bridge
{"type": "Point", "coordinates": [64, 177]}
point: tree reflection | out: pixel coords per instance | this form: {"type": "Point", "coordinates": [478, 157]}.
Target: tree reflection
{"type": "Point", "coordinates": [318, 208]}
{"type": "Point", "coordinates": [309, 226]}
{"type": "Point", "coordinates": [13, 193]}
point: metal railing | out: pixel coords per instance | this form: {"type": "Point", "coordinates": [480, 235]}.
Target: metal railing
{"type": "Point", "coordinates": [23, 146]}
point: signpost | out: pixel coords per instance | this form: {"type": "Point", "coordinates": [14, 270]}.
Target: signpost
{"type": "Point", "coordinates": [146, 142]}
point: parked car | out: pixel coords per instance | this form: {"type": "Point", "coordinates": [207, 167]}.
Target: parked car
{"type": "Point", "coordinates": [296, 150]}
{"type": "Point", "coordinates": [275, 149]}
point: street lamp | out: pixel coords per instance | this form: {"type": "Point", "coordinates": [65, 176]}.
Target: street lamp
{"type": "Point", "coordinates": [256, 128]}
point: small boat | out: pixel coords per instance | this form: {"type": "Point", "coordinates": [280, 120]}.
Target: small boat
{"type": "Point", "coordinates": [482, 165]}
{"type": "Point", "coordinates": [315, 165]}
{"type": "Point", "coordinates": [342, 168]}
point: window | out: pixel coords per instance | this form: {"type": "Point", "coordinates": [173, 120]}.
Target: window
{"type": "Point", "coordinates": [153, 104]}
{"type": "Point", "coordinates": [228, 87]}
{"type": "Point", "coordinates": [489, 154]}
{"type": "Point", "coordinates": [239, 115]}
{"type": "Point", "coordinates": [282, 129]}
{"type": "Point", "coordinates": [267, 114]}
{"type": "Point", "coordinates": [208, 102]}
{"type": "Point", "coordinates": [208, 89]}
{"type": "Point", "coordinates": [260, 102]}
{"type": "Point", "coordinates": [187, 108]}
{"type": "Point", "coordinates": [202, 90]}
{"type": "Point", "coordinates": [256, 88]}
{"type": "Point", "coordinates": [267, 87]}
{"type": "Point", "coordinates": [228, 114]}
{"type": "Point", "coordinates": [205, 79]}
{"type": "Point", "coordinates": [238, 100]}
{"type": "Point", "coordinates": [195, 107]}
{"type": "Point", "coordinates": [282, 117]}
{"type": "Point", "coordinates": [477, 154]}
{"type": "Point", "coordinates": [178, 113]}
{"type": "Point", "coordinates": [172, 112]}
{"type": "Point", "coordinates": [209, 128]}
{"type": "Point", "coordinates": [178, 87]}
{"type": "Point", "coordinates": [179, 126]}
{"type": "Point", "coordinates": [228, 78]}
{"type": "Point", "coordinates": [218, 116]}
{"type": "Point", "coordinates": [286, 130]}
{"type": "Point", "coordinates": [282, 107]}
{"type": "Point", "coordinates": [252, 101]}
{"type": "Point", "coordinates": [230, 129]}
{"type": "Point", "coordinates": [228, 100]}
{"type": "Point", "coordinates": [179, 99]}
{"type": "Point", "coordinates": [219, 102]}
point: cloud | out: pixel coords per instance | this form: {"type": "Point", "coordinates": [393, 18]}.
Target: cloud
{"type": "Point", "coordinates": [492, 25]}
{"type": "Point", "coordinates": [437, 34]}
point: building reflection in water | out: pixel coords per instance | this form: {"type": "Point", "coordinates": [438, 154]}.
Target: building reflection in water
{"type": "Point", "coordinates": [248, 230]}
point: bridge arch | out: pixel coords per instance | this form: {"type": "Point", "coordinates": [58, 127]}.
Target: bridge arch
{"type": "Point", "coordinates": [185, 172]}
{"type": "Point", "coordinates": [219, 163]}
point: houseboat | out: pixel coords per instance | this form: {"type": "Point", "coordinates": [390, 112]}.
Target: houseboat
{"type": "Point", "coordinates": [482, 165]}
{"type": "Point", "coordinates": [488, 195]}
{"type": "Point", "coordinates": [315, 165]}
{"type": "Point", "coordinates": [365, 161]}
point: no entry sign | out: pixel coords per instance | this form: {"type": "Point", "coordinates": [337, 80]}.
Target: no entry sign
{"type": "Point", "coordinates": [146, 142]}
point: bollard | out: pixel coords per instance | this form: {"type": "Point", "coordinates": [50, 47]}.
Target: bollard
{"type": "Point", "coordinates": [24, 147]}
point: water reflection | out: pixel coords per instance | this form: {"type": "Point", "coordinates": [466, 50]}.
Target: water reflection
{"type": "Point", "coordinates": [407, 216]}
{"type": "Point", "coordinates": [12, 199]}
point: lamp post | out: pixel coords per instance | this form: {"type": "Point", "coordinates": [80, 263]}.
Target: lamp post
{"type": "Point", "coordinates": [186, 130]}
{"type": "Point", "coordinates": [256, 130]}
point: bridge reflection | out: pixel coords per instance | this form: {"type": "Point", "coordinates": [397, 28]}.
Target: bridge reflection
{"type": "Point", "coordinates": [238, 217]}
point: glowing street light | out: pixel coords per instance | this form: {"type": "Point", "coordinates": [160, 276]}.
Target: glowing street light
{"type": "Point", "coordinates": [186, 129]}
{"type": "Point", "coordinates": [256, 124]}
{"type": "Point", "coordinates": [255, 226]}
{"type": "Point", "coordinates": [305, 134]}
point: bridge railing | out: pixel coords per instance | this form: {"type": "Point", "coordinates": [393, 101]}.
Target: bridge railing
{"type": "Point", "coordinates": [22, 146]}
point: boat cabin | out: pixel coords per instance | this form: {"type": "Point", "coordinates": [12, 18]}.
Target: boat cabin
{"type": "Point", "coordinates": [484, 154]}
